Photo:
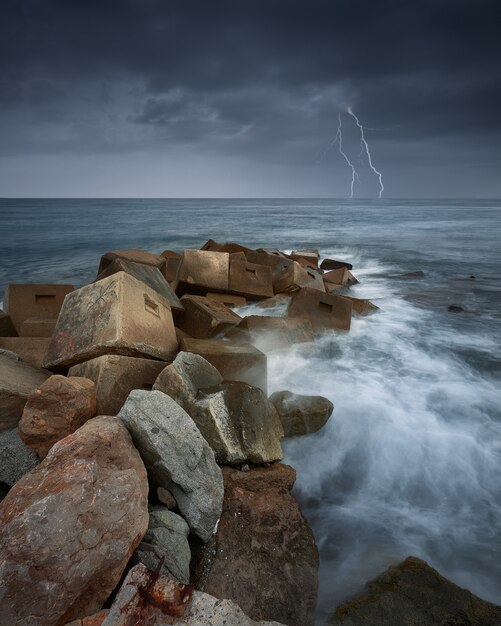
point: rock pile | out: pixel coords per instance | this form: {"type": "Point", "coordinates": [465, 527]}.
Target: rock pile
{"type": "Point", "coordinates": [177, 483]}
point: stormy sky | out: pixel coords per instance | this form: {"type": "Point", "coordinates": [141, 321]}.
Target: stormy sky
{"type": "Point", "coordinates": [227, 98]}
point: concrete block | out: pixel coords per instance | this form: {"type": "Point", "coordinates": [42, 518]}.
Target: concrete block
{"type": "Point", "coordinates": [295, 277]}
{"type": "Point", "coordinates": [333, 264]}
{"type": "Point", "coordinates": [272, 333]}
{"type": "Point", "coordinates": [115, 376]}
{"type": "Point", "coordinates": [231, 247]}
{"type": "Point", "coordinates": [116, 315]}
{"type": "Point", "coordinates": [32, 301]}
{"type": "Point", "coordinates": [250, 280]}
{"type": "Point", "coordinates": [171, 254]}
{"type": "Point", "coordinates": [323, 310]}
{"type": "Point", "coordinates": [204, 318]}
{"type": "Point", "coordinates": [171, 269]}
{"type": "Point", "coordinates": [235, 361]}
{"type": "Point", "coordinates": [133, 254]}
{"type": "Point", "coordinates": [202, 271]}
{"type": "Point", "coordinates": [271, 260]}
{"type": "Point", "coordinates": [308, 257]}
{"type": "Point", "coordinates": [227, 299]}
{"type": "Point", "coordinates": [148, 275]}
{"type": "Point", "coordinates": [35, 327]}
{"type": "Point", "coordinates": [6, 326]}
{"type": "Point", "coordinates": [32, 350]}
{"type": "Point", "coordinates": [340, 276]}
{"type": "Point", "coordinates": [362, 307]}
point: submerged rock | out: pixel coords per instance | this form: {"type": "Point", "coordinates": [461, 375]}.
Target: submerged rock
{"type": "Point", "coordinates": [301, 415]}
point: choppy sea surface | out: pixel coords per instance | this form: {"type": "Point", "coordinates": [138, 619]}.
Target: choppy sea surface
{"type": "Point", "coordinates": [410, 462]}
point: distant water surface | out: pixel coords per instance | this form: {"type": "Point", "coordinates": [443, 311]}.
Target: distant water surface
{"type": "Point", "coordinates": [410, 462]}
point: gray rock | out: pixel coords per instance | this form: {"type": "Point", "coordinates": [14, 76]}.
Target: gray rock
{"type": "Point", "coordinates": [10, 355]}
{"type": "Point", "coordinates": [167, 539]}
{"type": "Point", "coordinates": [16, 459]}
{"type": "Point", "coordinates": [176, 456]}
{"type": "Point", "coordinates": [301, 415]}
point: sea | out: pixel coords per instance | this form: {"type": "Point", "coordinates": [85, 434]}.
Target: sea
{"type": "Point", "coordinates": [410, 461]}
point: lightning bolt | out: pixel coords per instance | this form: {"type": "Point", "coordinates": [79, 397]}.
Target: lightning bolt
{"type": "Point", "coordinates": [365, 148]}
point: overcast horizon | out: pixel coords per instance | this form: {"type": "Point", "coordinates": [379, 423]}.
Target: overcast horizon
{"type": "Point", "coordinates": [242, 100]}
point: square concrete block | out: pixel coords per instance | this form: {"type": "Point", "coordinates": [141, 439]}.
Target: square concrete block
{"type": "Point", "coordinates": [6, 326]}
{"type": "Point", "coordinates": [171, 269]}
{"type": "Point", "coordinates": [202, 271]}
{"type": "Point", "coordinates": [323, 310]}
{"type": "Point", "coordinates": [32, 350]}
{"type": "Point", "coordinates": [230, 246]}
{"type": "Point", "coordinates": [134, 254]}
{"type": "Point", "coordinates": [116, 376]}
{"type": "Point", "coordinates": [272, 333]}
{"type": "Point", "coordinates": [362, 307]}
{"type": "Point", "coordinates": [33, 301]}
{"type": "Point", "coordinates": [204, 318]}
{"type": "Point", "coordinates": [306, 257]}
{"type": "Point", "coordinates": [116, 315]}
{"type": "Point", "coordinates": [340, 276]}
{"type": "Point", "coordinates": [235, 361]}
{"type": "Point", "coordinates": [147, 274]}
{"type": "Point", "coordinates": [250, 280]}
{"type": "Point", "coordinates": [35, 327]}
{"type": "Point", "coordinates": [295, 277]}
{"type": "Point", "coordinates": [227, 299]}
{"type": "Point", "coordinates": [270, 260]}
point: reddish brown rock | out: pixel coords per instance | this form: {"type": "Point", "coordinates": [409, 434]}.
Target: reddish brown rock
{"type": "Point", "coordinates": [70, 526]}
{"type": "Point", "coordinates": [116, 315]}
{"type": "Point", "coordinates": [6, 326]}
{"type": "Point", "coordinates": [115, 376]}
{"type": "Point", "coordinates": [323, 310]}
{"type": "Point", "coordinates": [294, 277]}
{"type": "Point", "coordinates": [204, 317]}
{"type": "Point", "coordinates": [32, 350]}
{"type": "Point", "coordinates": [250, 280]}
{"type": "Point", "coordinates": [56, 409]}
{"type": "Point", "coordinates": [266, 559]}
{"type": "Point", "coordinates": [93, 620]}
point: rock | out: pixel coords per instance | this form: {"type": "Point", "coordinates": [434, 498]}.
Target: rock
{"type": "Point", "coordinates": [251, 280]}
{"type": "Point", "coordinates": [235, 361]}
{"type": "Point", "coordinates": [56, 409]}
{"type": "Point", "coordinates": [230, 247]}
{"type": "Point", "coordinates": [311, 257]}
{"type": "Point", "coordinates": [148, 598]}
{"type": "Point", "coordinates": [166, 539]}
{"type": "Point", "coordinates": [362, 307]}
{"type": "Point", "coordinates": [277, 262]}
{"type": "Point", "coordinates": [341, 276]}
{"type": "Point", "coordinates": [333, 264]}
{"type": "Point", "coordinates": [455, 309]}
{"type": "Point", "coordinates": [115, 376]}
{"type": "Point", "coordinates": [135, 255]}
{"type": "Point", "coordinates": [148, 275]}
{"type": "Point", "coordinates": [268, 333]}
{"type": "Point", "coordinates": [92, 620]}
{"type": "Point", "coordinates": [171, 269]}
{"type": "Point", "coordinates": [17, 381]}
{"type": "Point", "coordinates": [204, 318]}
{"type": "Point", "coordinates": [10, 355]}
{"type": "Point", "coordinates": [70, 526]}
{"type": "Point", "coordinates": [166, 498]}
{"type": "Point", "coordinates": [177, 457]}
{"type": "Point", "coordinates": [227, 299]}
{"type": "Point", "coordinates": [6, 326]}
{"type": "Point", "coordinates": [301, 415]}
{"type": "Point", "coordinates": [266, 559]}
{"type": "Point", "coordinates": [117, 315]}
{"type": "Point", "coordinates": [202, 271]}
{"type": "Point", "coordinates": [323, 310]}
{"type": "Point", "coordinates": [16, 459]}
{"type": "Point", "coordinates": [28, 301]}
{"type": "Point", "coordinates": [294, 277]}
{"type": "Point", "coordinates": [32, 350]}
{"type": "Point", "coordinates": [413, 593]}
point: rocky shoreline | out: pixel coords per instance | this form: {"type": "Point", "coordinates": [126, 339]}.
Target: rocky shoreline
{"type": "Point", "coordinates": [140, 452]}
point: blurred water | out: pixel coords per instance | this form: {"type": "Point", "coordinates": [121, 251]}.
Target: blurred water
{"type": "Point", "coordinates": [410, 461]}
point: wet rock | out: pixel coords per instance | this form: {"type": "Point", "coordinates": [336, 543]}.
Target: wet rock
{"type": "Point", "coordinates": [341, 276]}
{"type": "Point", "coordinates": [234, 361]}
{"type": "Point", "coordinates": [70, 526]}
{"type": "Point", "coordinates": [35, 327]}
{"type": "Point", "coordinates": [148, 598]}
{"type": "Point", "coordinates": [16, 459]}
{"type": "Point", "coordinates": [301, 415]}
{"type": "Point", "coordinates": [32, 350]}
{"type": "Point", "coordinates": [165, 545]}
{"type": "Point", "coordinates": [362, 307]}
{"type": "Point", "coordinates": [116, 315]}
{"type": "Point", "coordinates": [250, 280]}
{"type": "Point", "coordinates": [177, 457]}
{"type": "Point", "coordinates": [334, 264]}
{"type": "Point", "coordinates": [414, 593]}
{"type": "Point", "coordinates": [294, 277]}
{"type": "Point", "coordinates": [453, 308]}
{"type": "Point", "coordinates": [266, 559]}
{"type": "Point", "coordinates": [115, 376]}
{"type": "Point", "coordinates": [323, 310]}
{"type": "Point", "coordinates": [17, 381]}
{"type": "Point", "coordinates": [6, 326]}
{"type": "Point", "coordinates": [56, 409]}
{"type": "Point", "coordinates": [204, 317]}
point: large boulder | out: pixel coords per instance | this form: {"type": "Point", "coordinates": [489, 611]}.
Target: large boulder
{"type": "Point", "coordinates": [17, 381]}
{"type": "Point", "coordinates": [70, 526]}
{"type": "Point", "coordinates": [56, 409]}
{"type": "Point", "coordinates": [148, 598]}
{"type": "Point", "coordinates": [177, 457]}
{"type": "Point", "coordinates": [16, 459]}
{"type": "Point", "coordinates": [301, 415]}
{"type": "Point", "coordinates": [266, 559]}
{"type": "Point", "coordinates": [166, 542]}
{"type": "Point", "coordinates": [413, 593]}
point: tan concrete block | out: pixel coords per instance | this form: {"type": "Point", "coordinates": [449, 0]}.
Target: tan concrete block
{"type": "Point", "coordinates": [273, 252]}
{"type": "Point", "coordinates": [204, 318]}
{"type": "Point", "coordinates": [28, 301]}
{"type": "Point", "coordinates": [6, 326]}
{"type": "Point", "coordinates": [308, 257]}
{"type": "Point", "coordinates": [250, 280]}
{"type": "Point", "coordinates": [171, 254]}
{"type": "Point", "coordinates": [340, 276]}
{"type": "Point", "coordinates": [35, 327]}
{"type": "Point", "coordinates": [202, 271]}
{"type": "Point", "coordinates": [306, 263]}
{"type": "Point", "coordinates": [281, 299]}
{"type": "Point", "coordinates": [323, 310]}
{"type": "Point", "coordinates": [116, 376]}
{"type": "Point", "coordinates": [295, 277]}
{"type": "Point", "coordinates": [230, 246]}
{"type": "Point", "coordinates": [171, 269]}
{"type": "Point", "coordinates": [235, 361]}
{"type": "Point", "coordinates": [227, 299]}
{"type": "Point", "coordinates": [134, 254]}
{"type": "Point", "coordinates": [275, 261]}
{"type": "Point", "coordinates": [272, 333]}
{"type": "Point", "coordinates": [362, 307]}
{"type": "Point", "coordinates": [116, 315]}
{"type": "Point", "coordinates": [32, 350]}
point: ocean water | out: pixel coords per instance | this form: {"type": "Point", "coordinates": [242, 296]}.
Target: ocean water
{"type": "Point", "coordinates": [410, 462]}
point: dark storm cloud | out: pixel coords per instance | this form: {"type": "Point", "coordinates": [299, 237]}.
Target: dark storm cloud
{"type": "Point", "coordinates": [260, 77]}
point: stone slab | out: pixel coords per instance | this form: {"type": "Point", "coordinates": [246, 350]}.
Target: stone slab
{"type": "Point", "coordinates": [250, 280]}
{"type": "Point", "coordinates": [295, 277]}
{"type": "Point", "coordinates": [202, 271]}
{"type": "Point", "coordinates": [41, 301]}
{"type": "Point", "coordinates": [324, 311]}
{"type": "Point", "coordinates": [204, 317]}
